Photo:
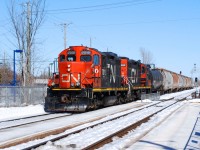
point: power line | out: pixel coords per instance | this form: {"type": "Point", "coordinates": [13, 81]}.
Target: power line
{"type": "Point", "coordinates": [100, 7]}
{"type": "Point", "coordinates": [144, 22]}
{"type": "Point", "coordinates": [93, 8]}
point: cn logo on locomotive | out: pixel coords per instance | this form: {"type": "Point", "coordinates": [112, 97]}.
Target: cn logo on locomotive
{"type": "Point", "coordinates": [67, 77]}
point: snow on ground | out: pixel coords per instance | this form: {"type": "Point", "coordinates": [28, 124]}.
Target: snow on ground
{"type": "Point", "coordinates": [195, 100]}
{"type": "Point", "coordinates": [19, 112]}
{"type": "Point", "coordinates": [167, 135]}
{"type": "Point", "coordinates": [14, 112]}
{"type": "Point", "coordinates": [145, 100]}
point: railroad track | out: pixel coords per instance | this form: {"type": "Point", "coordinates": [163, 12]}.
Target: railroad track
{"type": "Point", "coordinates": [15, 119]}
{"type": "Point", "coordinates": [80, 127]}
{"type": "Point", "coordinates": [29, 120]}
{"type": "Point", "coordinates": [15, 140]}
{"type": "Point", "coordinates": [122, 132]}
{"type": "Point", "coordinates": [96, 123]}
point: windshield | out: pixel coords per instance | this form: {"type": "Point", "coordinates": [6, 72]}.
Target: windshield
{"type": "Point", "coordinates": [85, 58]}
{"type": "Point", "coordinates": [71, 58]}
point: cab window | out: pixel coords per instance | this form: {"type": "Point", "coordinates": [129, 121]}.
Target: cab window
{"type": "Point", "coordinates": [62, 58]}
{"type": "Point", "coordinates": [143, 70]}
{"type": "Point", "coordinates": [96, 60]}
{"type": "Point", "coordinates": [85, 58]}
{"type": "Point", "coordinates": [71, 58]}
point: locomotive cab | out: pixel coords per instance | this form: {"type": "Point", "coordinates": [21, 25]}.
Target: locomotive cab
{"type": "Point", "coordinates": [145, 75]}
{"type": "Point", "coordinates": [130, 72]}
{"type": "Point", "coordinates": [79, 72]}
{"type": "Point", "coordinates": [78, 66]}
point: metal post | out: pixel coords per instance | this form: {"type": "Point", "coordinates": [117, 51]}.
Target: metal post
{"type": "Point", "coordinates": [65, 33]}
{"type": "Point", "coordinates": [65, 36]}
{"type": "Point", "coordinates": [90, 42]}
{"type": "Point", "coordinates": [51, 69]}
{"type": "Point", "coordinates": [14, 76]}
{"type": "Point", "coordinates": [14, 72]}
{"type": "Point", "coordinates": [54, 66]}
{"type": "Point", "coordinates": [7, 102]}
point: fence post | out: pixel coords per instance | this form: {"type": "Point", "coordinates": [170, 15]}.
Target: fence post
{"type": "Point", "coordinates": [20, 94]}
{"type": "Point", "coordinates": [29, 96]}
{"type": "Point", "coordinates": [6, 100]}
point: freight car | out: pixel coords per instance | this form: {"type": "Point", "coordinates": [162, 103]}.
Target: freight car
{"type": "Point", "coordinates": [168, 81]}
{"type": "Point", "coordinates": [89, 79]}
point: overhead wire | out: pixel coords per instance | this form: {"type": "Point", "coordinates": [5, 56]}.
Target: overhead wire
{"type": "Point", "coordinates": [109, 6]}
{"type": "Point", "coordinates": [143, 22]}
{"type": "Point", "coordinates": [96, 6]}
{"type": "Point", "coordinates": [100, 7]}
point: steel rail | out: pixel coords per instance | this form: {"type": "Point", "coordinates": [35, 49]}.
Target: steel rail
{"type": "Point", "coordinates": [85, 127]}
{"type": "Point", "coordinates": [58, 131]}
{"type": "Point", "coordinates": [32, 122]}
{"type": "Point", "coordinates": [123, 131]}
{"type": "Point", "coordinates": [108, 138]}
{"type": "Point", "coordinates": [9, 120]}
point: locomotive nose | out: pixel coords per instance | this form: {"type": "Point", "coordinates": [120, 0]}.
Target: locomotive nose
{"type": "Point", "coordinates": [75, 74]}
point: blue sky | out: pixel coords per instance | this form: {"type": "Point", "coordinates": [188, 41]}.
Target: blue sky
{"type": "Point", "coordinates": [169, 29]}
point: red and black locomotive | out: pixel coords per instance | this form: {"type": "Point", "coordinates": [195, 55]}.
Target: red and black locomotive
{"type": "Point", "coordinates": [89, 79]}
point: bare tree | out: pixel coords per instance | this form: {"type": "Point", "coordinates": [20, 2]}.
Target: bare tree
{"type": "Point", "coordinates": [6, 74]}
{"type": "Point", "coordinates": [147, 57]}
{"type": "Point", "coordinates": [26, 20]}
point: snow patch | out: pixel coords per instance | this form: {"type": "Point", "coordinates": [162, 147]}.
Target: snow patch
{"type": "Point", "coordinates": [18, 112]}
{"type": "Point", "coordinates": [144, 101]}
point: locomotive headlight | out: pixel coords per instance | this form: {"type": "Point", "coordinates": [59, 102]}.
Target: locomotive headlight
{"type": "Point", "coordinates": [52, 84]}
{"type": "Point", "coordinates": [69, 66]}
{"type": "Point", "coordinates": [68, 69]}
{"type": "Point", "coordinates": [77, 83]}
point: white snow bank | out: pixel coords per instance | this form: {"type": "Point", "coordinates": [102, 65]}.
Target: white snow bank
{"type": "Point", "coordinates": [18, 112]}
{"type": "Point", "coordinates": [194, 100]}
{"type": "Point", "coordinates": [144, 101]}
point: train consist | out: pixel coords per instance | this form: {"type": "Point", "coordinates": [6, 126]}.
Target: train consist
{"type": "Point", "coordinates": [89, 79]}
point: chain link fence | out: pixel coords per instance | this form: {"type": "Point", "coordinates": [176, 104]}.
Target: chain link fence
{"type": "Point", "coordinates": [11, 96]}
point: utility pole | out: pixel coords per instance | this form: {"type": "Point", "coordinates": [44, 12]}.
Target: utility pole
{"type": "Point", "coordinates": [65, 25]}
{"type": "Point", "coordinates": [65, 35]}
{"type": "Point", "coordinates": [28, 61]}
{"type": "Point", "coordinates": [90, 42]}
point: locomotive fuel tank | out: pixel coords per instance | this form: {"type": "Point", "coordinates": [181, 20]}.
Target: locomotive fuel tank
{"type": "Point", "coordinates": [109, 100]}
